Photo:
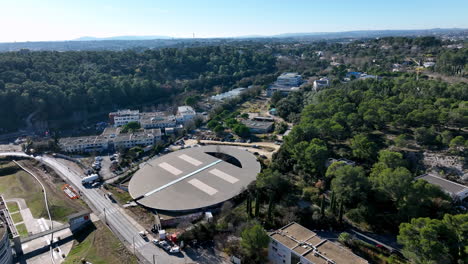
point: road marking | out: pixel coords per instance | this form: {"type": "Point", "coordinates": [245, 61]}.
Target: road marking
{"type": "Point", "coordinates": [224, 176]}
{"type": "Point", "coordinates": [181, 178]}
{"type": "Point", "coordinates": [203, 186]}
{"type": "Point", "coordinates": [170, 168]}
{"type": "Point", "coordinates": [190, 160]}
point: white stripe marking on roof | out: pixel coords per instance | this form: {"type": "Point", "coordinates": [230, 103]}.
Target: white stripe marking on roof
{"type": "Point", "coordinates": [181, 178]}
{"type": "Point", "coordinates": [202, 186]}
{"type": "Point", "coordinates": [170, 168]}
{"type": "Point", "coordinates": [190, 160]}
{"type": "Point", "coordinates": [224, 176]}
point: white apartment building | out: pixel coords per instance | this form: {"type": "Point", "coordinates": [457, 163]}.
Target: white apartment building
{"type": "Point", "coordinates": [84, 144]}
{"type": "Point", "coordinates": [123, 117]}
{"type": "Point", "coordinates": [295, 244]}
{"type": "Point", "coordinates": [104, 142]}
{"type": "Point", "coordinates": [155, 120]}
{"type": "Point", "coordinates": [185, 113]}
{"type": "Point", "coordinates": [320, 84]}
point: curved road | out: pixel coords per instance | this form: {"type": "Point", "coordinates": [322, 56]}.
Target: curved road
{"type": "Point", "coordinates": [125, 227]}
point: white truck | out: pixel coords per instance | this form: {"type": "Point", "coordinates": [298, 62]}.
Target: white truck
{"type": "Point", "coordinates": [90, 179]}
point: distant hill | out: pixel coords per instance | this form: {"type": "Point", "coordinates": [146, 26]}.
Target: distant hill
{"type": "Point", "coordinates": [151, 42]}
{"type": "Point", "coordinates": [122, 38]}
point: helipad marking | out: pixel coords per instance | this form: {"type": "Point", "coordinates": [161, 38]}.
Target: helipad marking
{"type": "Point", "coordinates": [203, 186]}
{"type": "Point", "coordinates": [181, 178]}
{"type": "Point", "coordinates": [170, 168]}
{"type": "Point", "coordinates": [190, 160]}
{"type": "Point", "coordinates": [224, 176]}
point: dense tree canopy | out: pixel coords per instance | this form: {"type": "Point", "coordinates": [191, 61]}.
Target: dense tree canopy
{"type": "Point", "coordinates": [57, 84]}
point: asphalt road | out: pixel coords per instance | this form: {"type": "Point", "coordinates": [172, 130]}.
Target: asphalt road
{"type": "Point", "coordinates": [125, 228]}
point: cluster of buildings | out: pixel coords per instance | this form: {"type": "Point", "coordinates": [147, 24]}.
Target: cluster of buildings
{"type": "Point", "coordinates": [296, 244]}
{"type": "Point", "coordinates": [285, 83]}
{"type": "Point", "coordinates": [110, 141]}
{"type": "Point", "coordinates": [154, 125]}
{"type": "Point", "coordinates": [152, 119]}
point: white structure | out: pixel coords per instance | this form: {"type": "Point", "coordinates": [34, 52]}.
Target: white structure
{"type": "Point", "coordinates": [455, 190]}
{"type": "Point", "coordinates": [322, 83]}
{"type": "Point", "coordinates": [294, 244]}
{"type": "Point", "coordinates": [185, 113]}
{"type": "Point", "coordinates": [104, 142]}
{"type": "Point", "coordinates": [137, 139]}
{"type": "Point", "coordinates": [84, 144]}
{"type": "Point", "coordinates": [228, 95]}
{"type": "Point", "coordinates": [123, 117]}
{"type": "Point", "coordinates": [428, 64]}
{"type": "Point", "coordinates": [290, 79]}
{"type": "Point", "coordinates": [157, 120]}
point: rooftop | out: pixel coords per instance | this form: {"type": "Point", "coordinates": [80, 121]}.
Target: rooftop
{"type": "Point", "coordinates": [257, 124]}
{"type": "Point", "coordinates": [289, 75]}
{"type": "Point", "coordinates": [194, 178]}
{"type": "Point", "coordinates": [185, 109]}
{"type": "Point", "coordinates": [312, 247]}
{"type": "Point", "coordinates": [124, 112]}
{"type": "Point", "coordinates": [446, 185]}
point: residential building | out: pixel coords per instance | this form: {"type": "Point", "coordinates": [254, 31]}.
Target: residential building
{"type": "Point", "coordinates": [104, 142]}
{"type": "Point", "coordinates": [290, 79]}
{"type": "Point", "coordinates": [294, 244]}
{"type": "Point", "coordinates": [457, 191]}
{"type": "Point", "coordinates": [85, 144]}
{"type": "Point", "coordinates": [123, 117]}
{"type": "Point", "coordinates": [321, 83]}
{"type": "Point", "coordinates": [228, 95]}
{"type": "Point", "coordinates": [157, 120]}
{"type": "Point", "coordinates": [130, 140]}
{"type": "Point", "coordinates": [285, 83]}
{"type": "Point", "coordinates": [185, 113]}
{"type": "Point", "coordinates": [281, 89]}
{"type": "Point", "coordinates": [258, 127]}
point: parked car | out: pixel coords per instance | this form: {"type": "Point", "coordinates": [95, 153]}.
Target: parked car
{"type": "Point", "coordinates": [164, 245]}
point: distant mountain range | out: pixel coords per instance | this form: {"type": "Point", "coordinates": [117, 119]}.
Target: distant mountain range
{"type": "Point", "coordinates": [145, 42]}
{"type": "Point", "coordinates": [122, 38]}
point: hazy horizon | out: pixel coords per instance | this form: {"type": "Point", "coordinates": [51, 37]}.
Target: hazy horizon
{"type": "Point", "coordinates": [31, 20]}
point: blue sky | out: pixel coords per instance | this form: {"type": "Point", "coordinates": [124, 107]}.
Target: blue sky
{"type": "Point", "coordinates": [39, 20]}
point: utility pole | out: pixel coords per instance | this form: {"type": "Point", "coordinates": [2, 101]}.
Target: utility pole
{"type": "Point", "coordinates": [154, 260]}
{"type": "Point", "coordinates": [105, 218]}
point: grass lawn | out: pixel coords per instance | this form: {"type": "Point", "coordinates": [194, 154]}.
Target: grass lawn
{"type": "Point", "coordinates": [98, 245]}
{"type": "Point", "coordinates": [17, 218]}
{"type": "Point", "coordinates": [23, 232]}
{"type": "Point", "coordinates": [13, 207]}
{"type": "Point", "coordinates": [19, 184]}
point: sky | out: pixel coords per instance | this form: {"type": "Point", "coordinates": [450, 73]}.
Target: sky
{"type": "Point", "coordinates": [49, 20]}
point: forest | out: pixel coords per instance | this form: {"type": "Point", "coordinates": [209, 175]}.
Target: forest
{"type": "Point", "coordinates": [58, 84]}
{"type": "Point", "coordinates": [378, 130]}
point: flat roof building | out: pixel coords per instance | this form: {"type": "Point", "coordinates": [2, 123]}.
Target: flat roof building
{"type": "Point", "coordinates": [455, 190]}
{"type": "Point", "coordinates": [123, 117]}
{"type": "Point", "coordinates": [185, 113]}
{"type": "Point", "coordinates": [294, 244]}
{"type": "Point", "coordinates": [258, 127]}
